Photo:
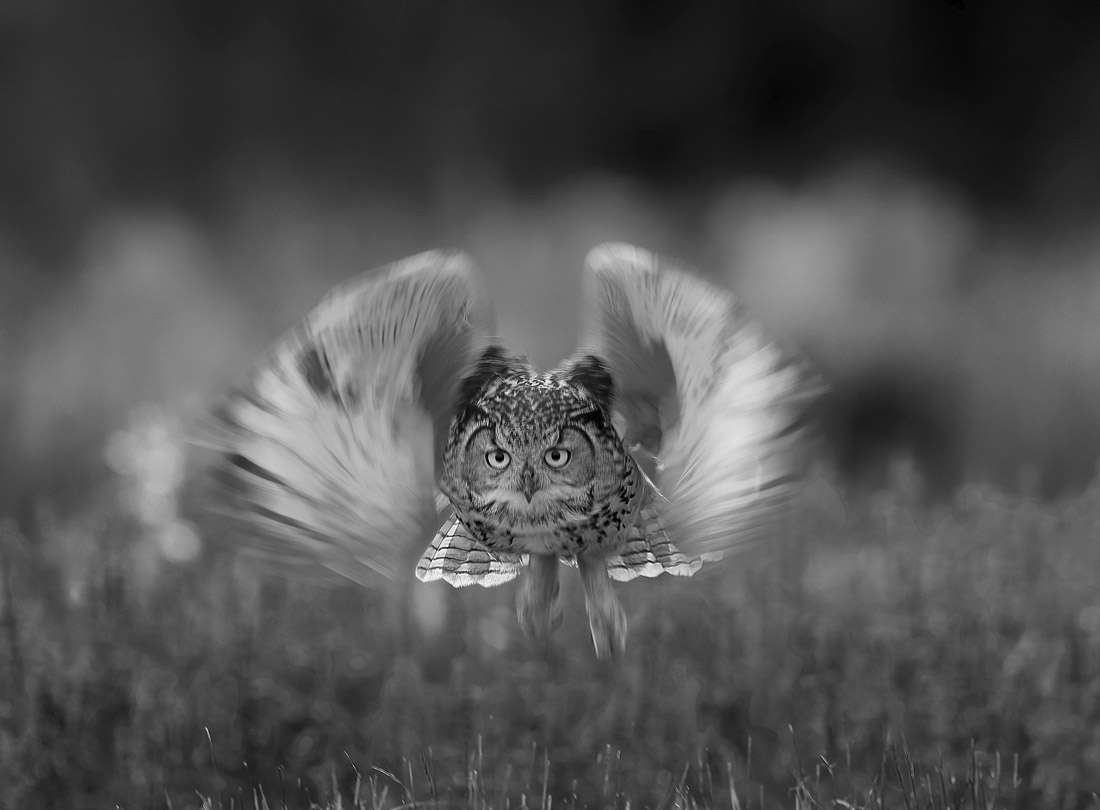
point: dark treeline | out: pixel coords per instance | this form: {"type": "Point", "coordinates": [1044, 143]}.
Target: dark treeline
{"type": "Point", "coordinates": [123, 99]}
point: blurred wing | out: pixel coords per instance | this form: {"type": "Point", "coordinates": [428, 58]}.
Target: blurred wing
{"type": "Point", "coordinates": [700, 389]}
{"type": "Point", "coordinates": [331, 444]}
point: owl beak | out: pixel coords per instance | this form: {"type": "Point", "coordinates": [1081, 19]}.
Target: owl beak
{"type": "Point", "coordinates": [527, 483]}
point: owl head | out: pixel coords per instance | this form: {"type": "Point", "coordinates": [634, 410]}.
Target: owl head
{"type": "Point", "coordinates": [530, 451]}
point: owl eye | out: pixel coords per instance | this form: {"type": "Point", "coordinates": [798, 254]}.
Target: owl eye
{"type": "Point", "coordinates": [498, 459]}
{"type": "Point", "coordinates": [556, 457]}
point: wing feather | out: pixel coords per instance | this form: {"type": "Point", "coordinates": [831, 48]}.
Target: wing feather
{"type": "Point", "coordinates": [649, 552]}
{"type": "Point", "coordinates": [460, 560]}
{"type": "Point", "coordinates": [703, 396]}
{"type": "Point", "coordinates": [330, 446]}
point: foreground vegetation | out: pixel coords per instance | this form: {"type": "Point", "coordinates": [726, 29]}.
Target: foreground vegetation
{"type": "Point", "coordinates": [882, 653]}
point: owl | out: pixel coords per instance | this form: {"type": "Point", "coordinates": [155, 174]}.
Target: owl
{"type": "Point", "coordinates": [391, 413]}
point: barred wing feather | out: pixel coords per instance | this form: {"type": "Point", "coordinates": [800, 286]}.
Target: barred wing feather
{"type": "Point", "coordinates": [330, 446]}
{"type": "Point", "coordinates": [701, 390]}
{"type": "Point", "coordinates": [459, 560]}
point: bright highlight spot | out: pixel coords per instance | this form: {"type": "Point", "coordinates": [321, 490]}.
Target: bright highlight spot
{"type": "Point", "coordinates": [179, 542]}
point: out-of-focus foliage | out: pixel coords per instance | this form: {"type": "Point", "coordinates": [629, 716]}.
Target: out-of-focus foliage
{"type": "Point", "coordinates": [969, 348]}
{"type": "Point", "coordinates": [871, 621]}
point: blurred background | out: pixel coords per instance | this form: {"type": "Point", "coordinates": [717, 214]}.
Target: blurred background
{"type": "Point", "coordinates": [910, 191]}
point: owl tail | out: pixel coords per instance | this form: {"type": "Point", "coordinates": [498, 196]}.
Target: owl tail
{"type": "Point", "coordinates": [649, 552]}
{"type": "Point", "coordinates": [460, 560]}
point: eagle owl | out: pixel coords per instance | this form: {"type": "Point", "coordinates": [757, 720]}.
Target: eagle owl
{"type": "Point", "coordinates": [391, 412]}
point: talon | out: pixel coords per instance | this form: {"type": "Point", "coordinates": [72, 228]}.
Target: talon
{"type": "Point", "coordinates": [609, 632]}
{"type": "Point", "coordinates": [537, 603]}
{"type": "Point", "coordinates": [606, 617]}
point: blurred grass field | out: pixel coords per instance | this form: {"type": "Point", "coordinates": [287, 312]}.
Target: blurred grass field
{"type": "Point", "coordinates": [882, 652]}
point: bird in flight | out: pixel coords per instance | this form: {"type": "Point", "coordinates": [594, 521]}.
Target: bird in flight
{"type": "Point", "coordinates": [668, 439]}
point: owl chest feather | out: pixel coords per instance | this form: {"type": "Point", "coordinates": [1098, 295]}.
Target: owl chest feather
{"type": "Point", "coordinates": [563, 541]}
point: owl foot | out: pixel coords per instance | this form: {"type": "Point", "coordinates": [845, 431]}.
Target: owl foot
{"type": "Point", "coordinates": [606, 617]}
{"type": "Point", "coordinates": [537, 601]}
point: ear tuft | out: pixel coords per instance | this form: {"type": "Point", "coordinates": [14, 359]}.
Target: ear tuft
{"type": "Point", "coordinates": [492, 364]}
{"type": "Point", "coordinates": [590, 373]}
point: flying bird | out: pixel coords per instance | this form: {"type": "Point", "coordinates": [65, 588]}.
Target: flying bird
{"type": "Point", "coordinates": [668, 439]}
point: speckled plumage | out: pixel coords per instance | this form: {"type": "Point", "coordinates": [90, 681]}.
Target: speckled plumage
{"type": "Point", "coordinates": [393, 388]}
{"type": "Point", "coordinates": [525, 408]}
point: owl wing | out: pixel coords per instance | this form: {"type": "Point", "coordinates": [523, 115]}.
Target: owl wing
{"type": "Point", "coordinates": [329, 448]}
{"type": "Point", "coordinates": [458, 559]}
{"type": "Point", "coordinates": [703, 398]}
{"type": "Point", "coordinates": [649, 552]}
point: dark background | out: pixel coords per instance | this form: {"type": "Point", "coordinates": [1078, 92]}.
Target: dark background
{"type": "Point", "coordinates": [140, 102]}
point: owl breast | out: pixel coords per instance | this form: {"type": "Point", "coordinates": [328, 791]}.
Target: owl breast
{"type": "Point", "coordinates": [565, 535]}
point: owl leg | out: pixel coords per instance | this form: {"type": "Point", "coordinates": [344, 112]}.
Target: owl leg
{"type": "Point", "coordinates": [606, 618]}
{"type": "Point", "coordinates": [537, 601]}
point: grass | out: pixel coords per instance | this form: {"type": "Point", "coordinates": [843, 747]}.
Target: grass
{"type": "Point", "coordinates": [883, 653]}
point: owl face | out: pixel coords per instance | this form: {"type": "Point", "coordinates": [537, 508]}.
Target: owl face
{"type": "Point", "coordinates": [529, 473]}
{"type": "Point", "coordinates": [531, 452]}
